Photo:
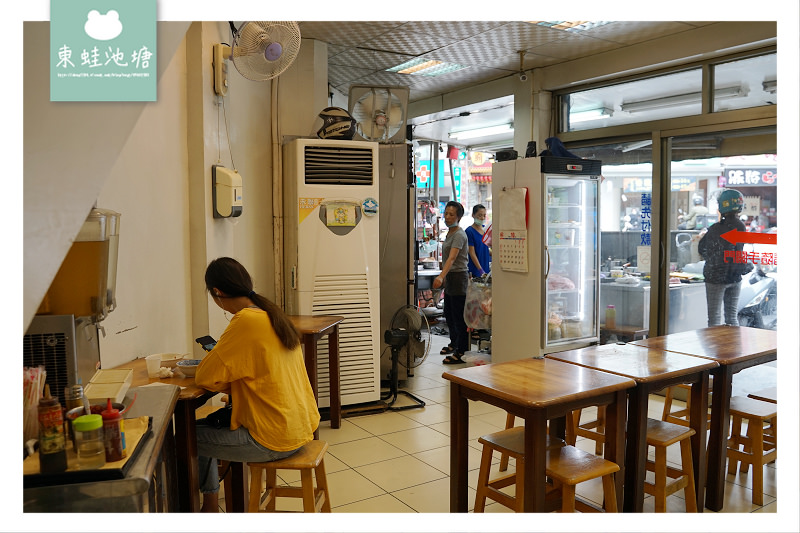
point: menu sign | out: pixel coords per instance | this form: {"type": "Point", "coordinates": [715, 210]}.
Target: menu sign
{"type": "Point", "coordinates": [749, 177]}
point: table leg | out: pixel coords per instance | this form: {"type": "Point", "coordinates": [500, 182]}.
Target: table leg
{"type": "Point", "coordinates": [636, 451]}
{"type": "Point", "coordinates": [237, 490]}
{"type": "Point", "coordinates": [459, 431]}
{"type": "Point", "coordinates": [614, 448]}
{"type": "Point", "coordinates": [720, 420]}
{"type": "Point", "coordinates": [186, 447]}
{"type": "Point", "coordinates": [310, 355]}
{"type": "Point", "coordinates": [535, 472]}
{"type": "Point", "coordinates": [333, 377]}
{"type": "Point", "coordinates": [698, 421]}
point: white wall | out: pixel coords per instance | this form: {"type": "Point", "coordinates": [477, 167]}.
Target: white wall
{"type": "Point", "coordinates": [151, 162]}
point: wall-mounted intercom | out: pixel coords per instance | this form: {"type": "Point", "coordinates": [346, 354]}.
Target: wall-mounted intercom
{"type": "Point", "coordinates": [226, 190]}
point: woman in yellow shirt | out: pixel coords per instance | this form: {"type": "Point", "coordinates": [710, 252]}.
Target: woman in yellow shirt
{"type": "Point", "coordinates": [258, 362]}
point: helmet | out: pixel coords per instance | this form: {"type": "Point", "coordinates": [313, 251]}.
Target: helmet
{"type": "Point", "coordinates": [697, 200]}
{"type": "Point", "coordinates": [730, 200]}
{"type": "Point", "coordinates": [336, 124]}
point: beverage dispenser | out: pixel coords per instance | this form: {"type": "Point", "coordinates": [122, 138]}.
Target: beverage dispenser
{"type": "Point", "coordinates": [63, 334]}
{"type": "Point", "coordinates": [85, 284]}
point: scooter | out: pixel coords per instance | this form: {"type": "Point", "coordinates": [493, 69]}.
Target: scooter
{"type": "Point", "coordinates": [758, 299]}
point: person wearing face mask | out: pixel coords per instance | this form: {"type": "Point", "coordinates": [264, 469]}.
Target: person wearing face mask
{"type": "Point", "coordinates": [479, 253]}
{"type": "Point", "coordinates": [454, 278]}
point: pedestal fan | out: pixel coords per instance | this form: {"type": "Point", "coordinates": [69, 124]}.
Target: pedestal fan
{"type": "Point", "coordinates": [409, 337]}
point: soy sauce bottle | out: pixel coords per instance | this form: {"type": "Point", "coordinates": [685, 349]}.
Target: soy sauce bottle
{"type": "Point", "coordinates": [52, 441]}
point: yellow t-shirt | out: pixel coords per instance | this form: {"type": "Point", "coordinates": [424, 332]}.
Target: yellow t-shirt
{"type": "Point", "coordinates": [268, 384]}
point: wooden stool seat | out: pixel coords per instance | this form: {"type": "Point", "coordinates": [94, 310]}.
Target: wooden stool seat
{"type": "Point", "coordinates": [757, 447]}
{"type": "Point", "coordinates": [310, 461]}
{"type": "Point", "coordinates": [566, 466]}
{"type": "Point", "coordinates": [661, 435]}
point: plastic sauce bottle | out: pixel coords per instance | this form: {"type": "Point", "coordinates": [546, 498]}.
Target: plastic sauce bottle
{"type": "Point", "coordinates": [113, 433]}
{"type": "Point", "coordinates": [52, 441]}
{"type": "Point", "coordinates": [611, 317]}
{"type": "Point", "coordinates": [89, 436]}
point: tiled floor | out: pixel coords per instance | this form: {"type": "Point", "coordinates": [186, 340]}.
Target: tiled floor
{"type": "Point", "coordinates": [399, 462]}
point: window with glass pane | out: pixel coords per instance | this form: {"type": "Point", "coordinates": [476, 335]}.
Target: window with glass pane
{"type": "Point", "coordinates": [702, 167]}
{"type": "Point", "coordinates": [625, 238]}
{"type": "Point", "coordinates": [746, 83]}
{"type": "Point", "coordinates": [667, 96]}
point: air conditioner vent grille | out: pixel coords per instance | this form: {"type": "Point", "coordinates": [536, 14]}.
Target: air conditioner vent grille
{"type": "Point", "coordinates": [338, 165]}
{"type": "Point", "coordinates": [346, 296]}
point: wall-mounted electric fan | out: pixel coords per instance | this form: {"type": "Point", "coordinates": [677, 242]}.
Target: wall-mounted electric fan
{"type": "Point", "coordinates": [260, 51]}
{"type": "Point", "coordinates": [380, 112]}
{"type": "Point", "coordinates": [409, 337]}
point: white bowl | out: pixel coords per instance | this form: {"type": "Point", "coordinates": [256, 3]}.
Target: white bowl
{"type": "Point", "coordinates": [188, 366]}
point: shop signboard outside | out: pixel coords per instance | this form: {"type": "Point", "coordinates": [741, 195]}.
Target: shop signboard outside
{"type": "Point", "coordinates": [424, 176]}
{"type": "Point", "coordinates": [749, 177]}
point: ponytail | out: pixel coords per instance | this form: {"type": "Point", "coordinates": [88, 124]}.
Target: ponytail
{"type": "Point", "coordinates": [283, 327]}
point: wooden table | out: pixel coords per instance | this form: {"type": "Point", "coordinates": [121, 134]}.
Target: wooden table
{"type": "Point", "coordinates": [652, 370]}
{"type": "Point", "coordinates": [734, 348]}
{"type": "Point", "coordinates": [313, 328]}
{"type": "Point", "coordinates": [536, 390]}
{"type": "Point", "coordinates": [189, 399]}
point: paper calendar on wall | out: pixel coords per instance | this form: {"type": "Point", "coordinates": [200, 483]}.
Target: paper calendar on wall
{"type": "Point", "coordinates": [513, 235]}
{"type": "Point", "coordinates": [514, 250]}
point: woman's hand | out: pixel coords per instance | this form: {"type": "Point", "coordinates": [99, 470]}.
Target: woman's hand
{"type": "Point", "coordinates": [438, 281]}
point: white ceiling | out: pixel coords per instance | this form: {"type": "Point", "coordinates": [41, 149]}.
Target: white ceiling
{"type": "Point", "coordinates": [360, 52]}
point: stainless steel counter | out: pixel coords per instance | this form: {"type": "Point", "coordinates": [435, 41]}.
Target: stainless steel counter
{"type": "Point", "coordinates": [147, 484]}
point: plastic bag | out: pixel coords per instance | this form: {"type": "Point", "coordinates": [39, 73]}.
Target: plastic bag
{"type": "Point", "coordinates": [478, 306]}
{"type": "Point", "coordinates": [487, 236]}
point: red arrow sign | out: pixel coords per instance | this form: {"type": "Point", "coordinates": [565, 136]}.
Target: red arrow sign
{"type": "Point", "coordinates": [735, 236]}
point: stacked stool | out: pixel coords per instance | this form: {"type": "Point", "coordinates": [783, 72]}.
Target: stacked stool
{"type": "Point", "coordinates": [757, 447]}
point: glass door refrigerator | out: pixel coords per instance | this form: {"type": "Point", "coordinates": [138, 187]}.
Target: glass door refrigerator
{"type": "Point", "coordinates": [545, 256]}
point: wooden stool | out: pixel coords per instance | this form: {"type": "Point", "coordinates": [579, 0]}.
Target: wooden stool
{"type": "Point", "coordinates": [566, 465]}
{"type": "Point", "coordinates": [309, 459]}
{"type": "Point", "coordinates": [661, 435]}
{"type": "Point", "coordinates": [569, 466]}
{"type": "Point", "coordinates": [593, 429]}
{"type": "Point", "coordinates": [509, 442]}
{"type": "Point", "coordinates": [681, 416]}
{"type": "Point", "coordinates": [758, 448]}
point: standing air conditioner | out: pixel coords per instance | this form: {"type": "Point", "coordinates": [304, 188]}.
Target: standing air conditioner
{"type": "Point", "coordinates": [331, 254]}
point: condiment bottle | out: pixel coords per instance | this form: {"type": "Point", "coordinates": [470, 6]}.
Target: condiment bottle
{"type": "Point", "coordinates": [611, 317]}
{"type": "Point", "coordinates": [89, 436]}
{"type": "Point", "coordinates": [52, 442]}
{"type": "Point", "coordinates": [113, 433]}
{"type": "Point", "coordinates": [73, 398]}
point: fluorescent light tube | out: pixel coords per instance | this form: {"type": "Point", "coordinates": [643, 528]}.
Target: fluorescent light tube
{"type": "Point", "coordinates": [680, 99]}
{"type": "Point", "coordinates": [481, 132]}
{"type": "Point", "coordinates": [590, 114]}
